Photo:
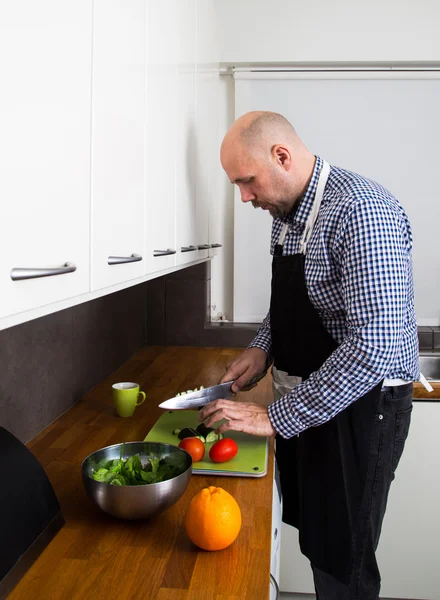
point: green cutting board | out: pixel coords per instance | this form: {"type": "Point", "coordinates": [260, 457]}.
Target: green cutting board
{"type": "Point", "coordinates": [251, 459]}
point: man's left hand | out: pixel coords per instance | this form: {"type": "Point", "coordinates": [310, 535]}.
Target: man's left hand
{"type": "Point", "coordinates": [248, 417]}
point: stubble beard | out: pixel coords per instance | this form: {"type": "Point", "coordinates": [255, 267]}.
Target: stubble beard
{"type": "Point", "coordinates": [277, 212]}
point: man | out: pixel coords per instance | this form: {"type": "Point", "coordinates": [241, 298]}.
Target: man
{"type": "Point", "coordinates": [341, 331]}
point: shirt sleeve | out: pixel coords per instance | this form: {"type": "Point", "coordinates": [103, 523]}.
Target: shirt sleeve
{"type": "Point", "coordinates": [373, 257]}
{"type": "Point", "coordinates": [263, 339]}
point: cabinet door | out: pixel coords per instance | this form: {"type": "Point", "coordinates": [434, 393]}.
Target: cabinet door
{"type": "Point", "coordinates": [118, 141]}
{"type": "Point", "coordinates": [46, 51]}
{"type": "Point", "coordinates": [207, 145]}
{"type": "Point", "coordinates": [408, 546]}
{"type": "Point", "coordinates": [161, 135]}
{"type": "Point", "coordinates": [186, 15]}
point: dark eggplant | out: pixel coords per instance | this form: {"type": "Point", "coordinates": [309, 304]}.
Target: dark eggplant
{"type": "Point", "coordinates": [203, 430]}
{"type": "Point", "coordinates": [189, 432]}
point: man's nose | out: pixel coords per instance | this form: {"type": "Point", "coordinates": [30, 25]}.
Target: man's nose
{"type": "Point", "coordinates": [247, 195]}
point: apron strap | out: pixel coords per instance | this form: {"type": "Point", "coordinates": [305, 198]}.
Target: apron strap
{"type": "Point", "coordinates": [283, 234]}
{"type": "Point", "coordinates": [308, 230]}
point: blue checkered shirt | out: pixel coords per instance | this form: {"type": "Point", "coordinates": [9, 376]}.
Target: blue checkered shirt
{"type": "Point", "coordinates": [358, 271]}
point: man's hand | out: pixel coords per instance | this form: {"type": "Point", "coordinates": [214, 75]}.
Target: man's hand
{"type": "Point", "coordinates": [250, 363]}
{"type": "Point", "coordinates": [248, 417]}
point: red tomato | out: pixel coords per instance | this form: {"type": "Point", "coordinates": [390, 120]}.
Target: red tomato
{"type": "Point", "coordinates": [194, 446]}
{"type": "Point", "coordinates": [223, 450]}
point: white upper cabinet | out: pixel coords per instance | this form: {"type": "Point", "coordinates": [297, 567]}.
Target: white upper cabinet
{"type": "Point", "coordinates": [186, 15]}
{"type": "Point", "coordinates": [45, 50]}
{"type": "Point", "coordinates": [161, 133]}
{"type": "Point", "coordinates": [118, 141]}
{"type": "Point", "coordinates": [207, 150]}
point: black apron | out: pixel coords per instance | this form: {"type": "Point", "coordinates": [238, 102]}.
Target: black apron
{"type": "Point", "coordinates": [323, 471]}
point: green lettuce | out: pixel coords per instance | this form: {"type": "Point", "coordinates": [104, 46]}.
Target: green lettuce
{"type": "Point", "coordinates": [130, 471]}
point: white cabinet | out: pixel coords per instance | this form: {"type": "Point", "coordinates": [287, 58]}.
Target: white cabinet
{"type": "Point", "coordinates": [182, 81]}
{"type": "Point", "coordinates": [276, 531]}
{"type": "Point", "coordinates": [295, 573]}
{"type": "Point", "coordinates": [108, 121]}
{"type": "Point", "coordinates": [207, 115]}
{"type": "Point", "coordinates": [45, 50]}
{"type": "Point", "coordinates": [161, 135]}
{"type": "Point", "coordinates": [118, 141]}
{"type": "Point", "coordinates": [186, 15]}
{"type": "Point", "coordinates": [408, 549]}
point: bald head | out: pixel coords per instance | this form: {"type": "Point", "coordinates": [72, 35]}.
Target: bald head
{"type": "Point", "coordinates": [256, 132]}
{"type": "Point", "coordinates": [264, 156]}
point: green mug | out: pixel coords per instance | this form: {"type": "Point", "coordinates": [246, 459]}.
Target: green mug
{"type": "Point", "coordinates": [125, 397]}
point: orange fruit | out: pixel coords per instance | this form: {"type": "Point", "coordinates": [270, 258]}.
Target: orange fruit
{"type": "Point", "coordinates": [213, 519]}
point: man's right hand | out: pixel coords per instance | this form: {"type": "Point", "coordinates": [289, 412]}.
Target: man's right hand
{"type": "Point", "coordinates": [251, 363]}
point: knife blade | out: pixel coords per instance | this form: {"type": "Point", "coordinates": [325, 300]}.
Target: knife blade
{"type": "Point", "coordinates": [199, 398]}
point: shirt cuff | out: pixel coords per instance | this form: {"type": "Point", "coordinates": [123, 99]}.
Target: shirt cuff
{"type": "Point", "coordinates": [280, 415]}
{"type": "Point", "coordinates": [263, 342]}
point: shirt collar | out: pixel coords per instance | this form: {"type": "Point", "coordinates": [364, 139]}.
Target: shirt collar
{"type": "Point", "coordinates": [305, 203]}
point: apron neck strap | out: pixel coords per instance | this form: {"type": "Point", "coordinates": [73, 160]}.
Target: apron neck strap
{"type": "Point", "coordinates": [283, 234]}
{"type": "Point", "coordinates": [308, 229]}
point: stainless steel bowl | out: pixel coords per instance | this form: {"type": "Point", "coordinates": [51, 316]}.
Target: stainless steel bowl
{"type": "Point", "coordinates": [137, 501]}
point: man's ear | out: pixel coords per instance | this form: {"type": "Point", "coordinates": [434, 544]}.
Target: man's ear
{"type": "Point", "coordinates": [282, 156]}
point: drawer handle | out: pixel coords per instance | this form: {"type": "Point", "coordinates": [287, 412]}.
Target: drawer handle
{"type": "Point", "coordinates": [275, 533]}
{"type": "Point", "coordinates": [164, 252]}
{"type": "Point", "coordinates": [204, 247]}
{"type": "Point", "coordinates": [118, 260]}
{"type": "Point", "coordinates": [19, 273]}
{"type": "Point", "coordinates": [216, 246]}
{"type": "Point", "coordinates": [188, 248]}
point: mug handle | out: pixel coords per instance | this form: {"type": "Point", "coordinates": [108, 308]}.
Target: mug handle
{"type": "Point", "coordinates": [143, 399]}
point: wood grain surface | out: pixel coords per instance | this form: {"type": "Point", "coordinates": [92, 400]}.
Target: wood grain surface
{"type": "Point", "coordinates": [99, 557]}
{"type": "Point", "coordinates": [421, 393]}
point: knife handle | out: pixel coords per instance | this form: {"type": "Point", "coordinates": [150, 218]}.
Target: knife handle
{"type": "Point", "coordinates": [253, 382]}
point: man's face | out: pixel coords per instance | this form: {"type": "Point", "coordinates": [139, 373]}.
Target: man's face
{"type": "Point", "coordinates": [261, 180]}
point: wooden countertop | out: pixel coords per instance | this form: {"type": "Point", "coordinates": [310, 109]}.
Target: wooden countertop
{"type": "Point", "coordinates": [99, 557]}
{"type": "Point", "coordinates": [420, 393]}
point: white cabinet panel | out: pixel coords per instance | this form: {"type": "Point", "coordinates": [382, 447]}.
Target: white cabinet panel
{"type": "Point", "coordinates": [161, 133]}
{"type": "Point", "coordinates": [408, 547]}
{"type": "Point", "coordinates": [45, 50]}
{"type": "Point", "coordinates": [295, 572]}
{"type": "Point", "coordinates": [276, 526]}
{"type": "Point", "coordinates": [118, 140]}
{"type": "Point", "coordinates": [186, 15]}
{"type": "Point", "coordinates": [207, 115]}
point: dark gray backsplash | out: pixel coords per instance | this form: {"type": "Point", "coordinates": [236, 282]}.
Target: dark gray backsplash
{"type": "Point", "coordinates": [49, 363]}
{"type": "Point", "coordinates": [178, 312]}
{"type": "Point", "coordinates": [178, 307]}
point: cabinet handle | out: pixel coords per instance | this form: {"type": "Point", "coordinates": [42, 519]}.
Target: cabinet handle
{"type": "Point", "coordinates": [274, 581]}
{"type": "Point", "coordinates": [118, 260]}
{"type": "Point", "coordinates": [216, 246]}
{"type": "Point", "coordinates": [164, 252]}
{"type": "Point", "coordinates": [19, 273]}
{"type": "Point", "coordinates": [204, 247]}
{"type": "Point", "coordinates": [188, 248]}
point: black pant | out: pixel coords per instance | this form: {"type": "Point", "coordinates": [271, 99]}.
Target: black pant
{"type": "Point", "coordinates": [386, 447]}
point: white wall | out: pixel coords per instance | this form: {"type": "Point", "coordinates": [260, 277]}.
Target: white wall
{"type": "Point", "coordinates": [344, 31]}
{"type": "Point", "coordinates": [337, 31]}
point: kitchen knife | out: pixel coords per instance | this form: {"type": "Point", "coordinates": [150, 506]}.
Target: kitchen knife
{"type": "Point", "coordinates": [202, 397]}
{"type": "Point", "coordinates": [199, 398]}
